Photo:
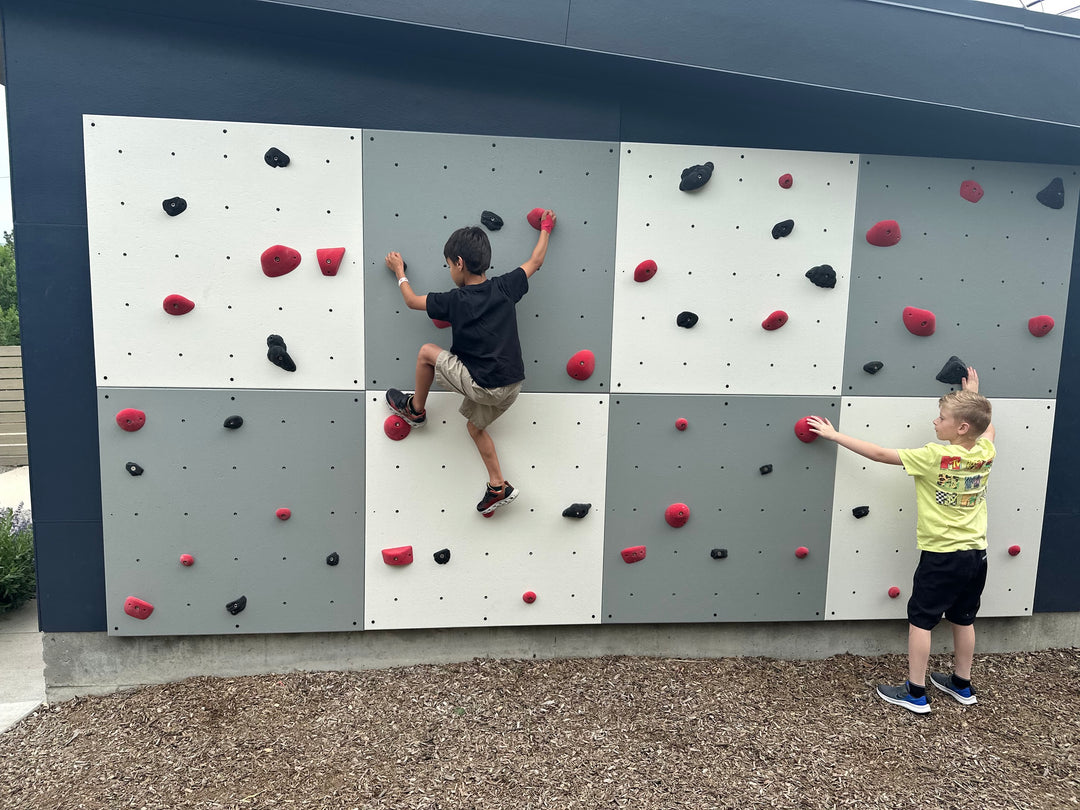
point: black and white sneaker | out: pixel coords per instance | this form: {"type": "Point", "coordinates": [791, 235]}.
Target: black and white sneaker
{"type": "Point", "coordinates": [946, 684]}
{"type": "Point", "coordinates": [900, 696]}
{"type": "Point", "coordinates": [401, 404]}
{"type": "Point", "coordinates": [494, 498]}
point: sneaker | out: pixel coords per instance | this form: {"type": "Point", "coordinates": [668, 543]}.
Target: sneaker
{"type": "Point", "coordinates": [401, 404]}
{"type": "Point", "coordinates": [945, 684]}
{"type": "Point", "coordinates": [494, 498]}
{"type": "Point", "coordinates": [900, 696]}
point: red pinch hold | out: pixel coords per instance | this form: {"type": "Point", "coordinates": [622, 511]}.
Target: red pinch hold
{"type": "Point", "coordinates": [402, 555]}
{"type": "Point", "coordinates": [774, 321]}
{"type": "Point", "coordinates": [278, 260]}
{"type": "Point", "coordinates": [1040, 325]}
{"type": "Point", "coordinates": [919, 322]}
{"type": "Point", "coordinates": [677, 514]}
{"type": "Point", "coordinates": [177, 304]}
{"type": "Point", "coordinates": [645, 270]}
{"type": "Point", "coordinates": [884, 234]}
{"type": "Point", "coordinates": [633, 554]}
{"type": "Point", "coordinates": [329, 260]}
{"type": "Point", "coordinates": [131, 419]}
{"type": "Point", "coordinates": [137, 609]}
{"type": "Point", "coordinates": [581, 365]}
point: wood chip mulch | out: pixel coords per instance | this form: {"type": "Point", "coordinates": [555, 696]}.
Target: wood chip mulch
{"type": "Point", "coordinates": [582, 733]}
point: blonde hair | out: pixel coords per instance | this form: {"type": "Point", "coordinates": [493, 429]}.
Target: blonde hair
{"type": "Point", "coordinates": [969, 407]}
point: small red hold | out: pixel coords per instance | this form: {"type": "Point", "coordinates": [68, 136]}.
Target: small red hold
{"type": "Point", "coordinates": [284, 513]}
{"type": "Point", "coordinates": [1014, 550]}
{"type": "Point", "coordinates": [884, 234]}
{"type": "Point", "coordinates": [786, 181]}
{"type": "Point", "coordinates": [329, 260]}
{"type": "Point", "coordinates": [402, 555]}
{"type": "Point", "coordinates": [633, 554]}
{"type": "Point", "coordinates": [187, 560]}
{"type": "Point", "coordinates": [919, 322]}
{"type": "Point", "coordinates": [681, 424]}
{"type": "Point", "coordinates": [131, 419]}
{"type": "Point", "coordinates": [971, 191]}
{"type": "Point", "coordinates": [801, 552]}
{"type": "Point", "coordinates": [534, 217]}
{"type": "Point", "coordinates": [137, 608]}
{"type": "Point", "coordinates": [177, 304]}
{"type": "Point", "coordinates": [645, 270]}
{"type": "Point", "coordinates": [677, 514]}
{"type": "Point", "coordinates": [894, 592]}
{"type": "Point", "coordinates": [396, 428]}
{"type": "Point", "coordinates": [440, 324]}
{"type": "Point", "coordinates": [774, 321]}
{"type": "Point", "coordinates": [278, 260]}
{"type": "Point", "coordinates": [802, 430]}
{"type": "Point", "coordinates": [581, 365]}
{"type": "Point", "coordinates": [528, 597]}
{"type": "Point", "coordinates": [1040, 325]}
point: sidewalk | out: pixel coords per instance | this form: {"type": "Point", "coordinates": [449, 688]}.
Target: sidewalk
{"type": "Point", "coordinates": [22, 670]}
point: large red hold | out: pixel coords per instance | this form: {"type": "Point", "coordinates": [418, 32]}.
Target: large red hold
{"type": "Point", "coordinates": [137, 608]}
{"type": "Point", "coordinates": [919, 322]}
{"type": "Point", "coordinates": [802, 430]}
{"type": "Point", "coordinates": [677, 514]}
{"type": "Point", "coordinates": [581, 365]}
{"type": "Point", "coordinates": [131, 419]}
{"type": "Point", "coordinates": [277, 260]}
{"type": "Point", "coordinates": [402, 555]}
{"type": "Point", "coordinates": [971, 191]}
{"type": "Point", "coordinates": [177, 304]}
{"type": "Point", "coordinates": [633, 554]}
{"type": "Point", "coordinates": [774, 321]}
{"type": "Point", "coordinates": [1040, 325]}
{"type": "Point", "coordinates": [329, 260]}
{"type": "Point", "coordinates": [884, 234]}
{"type": "Point", "coordinates": [645, 270]}
{"type": "Point", "coordinates": [396, 428]}
{"type": "Point", "coordinates": [534, 217]}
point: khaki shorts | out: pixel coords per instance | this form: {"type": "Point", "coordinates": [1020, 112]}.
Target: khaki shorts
{"type": "Point", "coordinates": [481, 406]}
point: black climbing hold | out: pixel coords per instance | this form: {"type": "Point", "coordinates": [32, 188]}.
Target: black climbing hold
{"type": "Point", "coordinates": [233, 422]}
{"type": "Point", "coordinates": [1053, 196]}
{"type": "Point", "coordinates": [577, 510]}
{"type": "Point", "coordinates": [873, 367]}
{"type": "Point", "coordinates": [823, 275]}
{"type": "Point", "coordinates": [782, 229]}
{"type": "Point", "coordinates": [442, 556]}
{"type": "Point", "coordinates": [133, 468]}
{"type": "Point", "coordinates": [686, 320]}
{"type": "Point", "coordinates": [861, 511]}
{"type": "Point", "coordinates": [275, 340]}
{"type": "Point", "coordinates": [953, 372]}
{"type": "Point", "coordinates": [695, 177]}
{"type": "Point", "coordinates": [718, 553]}
{"type": "Point", "coordinates": [275, 157]}
{"type": "Point", "coordinates": [491, 220]}
{"type": "Point", "coordinates": [277, 354]}
{"type": "Point", "coordinates": [174, 206]}
{"type": "Point", "coordinates": [765, 469]}
{"type": "Point", "coordinates": [236, 605]}
{"type": "Point", "coordinates": [333, 559]}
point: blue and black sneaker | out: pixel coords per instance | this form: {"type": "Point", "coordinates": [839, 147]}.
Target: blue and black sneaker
{"type": "Point", "coordinates": [947, 685]}
{"type": "Point", "coordinates": [401, 404]}
{"type": "Point", "coordinates": [900, 696]}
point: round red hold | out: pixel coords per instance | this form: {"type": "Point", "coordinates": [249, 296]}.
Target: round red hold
{"type": "Point", "coordinates": [131, 419]}
{"type": "Point", "coordinates": [396, 428]}
{"type": "Point", "coordinates": [894, 592]}
{"type": "Point", "coordinates": [802, 430]}
{"type": "Point", "coordinates": [581, 365]}
{"type": "Point", "coordinates": [177, 304]}
{"type": "Point", "coordinates": [971, 191]}
{"type": "Point", "coordinates": [677, 514]}
{"type": "Point", "coordinates": [801, 552]}
{"type": "Point", "coordinates": [645, 270]}
{"type": "Point", "coordinates": [187, 559]}
{"type": "Point", "coordinates": [786, 181]}
{"type": "Point", "coordinates": [775, 321]}
{"type": "Point", "coordinates": [1014, 550]}
{"type": "Point", "coordinates": [681, 424]}
{"type": "Point", "coordinates": [440, 324]}
{"type": "Point", "coordinates": [919, 322]}
{"type": "Point", "coordinates": [284, 513]}
{"type": "Point", "coordinates": [277, 260]}
{"type": "Point", "coordinates": [535, 216]}
{"type": "Point", "coordinates": [528, 597]}
{"type": "Point", "coordinates": [1040, 325]}
{"type": "Point", "coordinates": [884, 234]}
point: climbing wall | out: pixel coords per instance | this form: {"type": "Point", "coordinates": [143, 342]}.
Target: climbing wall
{"type": "Point", "coordinates": [306, 511]}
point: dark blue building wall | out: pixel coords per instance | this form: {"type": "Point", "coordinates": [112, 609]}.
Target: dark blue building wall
{"type": "Point", "coordinates": [249, 60]}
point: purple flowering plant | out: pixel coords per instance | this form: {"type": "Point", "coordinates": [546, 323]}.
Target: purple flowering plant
{"type": "Point", "coordinates": [17, 580]}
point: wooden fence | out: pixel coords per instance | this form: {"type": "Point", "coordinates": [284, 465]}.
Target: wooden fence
{"type": "Point", "coordinates": [12, 408]}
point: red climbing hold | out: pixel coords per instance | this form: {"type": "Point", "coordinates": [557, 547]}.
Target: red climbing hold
{"type": "Point", "coordinates": [802, 430]}
{"type": "Point", "coordinates": [278, 260]}
{"type": "Point", "coordinates": [645, 270]}
{"type": "Point", "coordinates": [775, 321]}
{"type": "Point", "coordinates": [187, 560]}
{"type": "Point", "coordinates": [971, 191]}
{"type": "Point", "coordinates": [581, 365]}
{"type": "Point", "coordinates": [329, 260]}
{"type": "Point", "coordinates": [894, 592]}
{"type": "Point", "coordinates": [402, 555]}
{"type": "Point", "coordinates": [919, 322]}
{"type": "Point", "coordinates": [137, 608]}
{"type": "Point", "coordinates": [681, 424]}
{"type": "Point", "coordinates": [440, 324]}
{"type": "Point", "coordinates": [786, 181]}
{"type": "Point", "coordinates": [131, 419]}
{"type": "Point", "coordinates": [633, 554]}
{"type": "Point", "coordinates": [801, 552]}
{"type": "Point", "coordinates": [884, 234]}
{"type": "Point", "coordinates": [528, 597]}
{"type": "Point", "coordinates": [396, 428]}
{"type": "Point", "coordinates": [284, 513]}
{"type": "Point", "coordinates": [177, 305]}
{"type": "Point", "coordinates": [1040, 325]}
{"type": "Point", "coordinates": [535, 216]}
{"type": "Point", "coordinates": [677, 514]}
{"type": "Point", "coordinates": [1014, 550]}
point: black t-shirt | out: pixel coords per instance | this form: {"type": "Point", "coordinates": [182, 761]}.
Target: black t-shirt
{"type": "Point", "coordinates": [484, 321]}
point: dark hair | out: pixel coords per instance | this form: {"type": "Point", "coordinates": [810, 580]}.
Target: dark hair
{"type": "Point", "coordinates": [471, 245]}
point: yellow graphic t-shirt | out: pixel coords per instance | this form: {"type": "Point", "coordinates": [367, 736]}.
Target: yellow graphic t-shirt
{"type": "Point", "coordinates": [950, 492]}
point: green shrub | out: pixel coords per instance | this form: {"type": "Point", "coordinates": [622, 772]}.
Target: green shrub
{"type": "Point", "coordinates": [17, 580]}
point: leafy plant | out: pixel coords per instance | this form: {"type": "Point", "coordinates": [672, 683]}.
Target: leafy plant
{"type": "Point", "coordinates": [17, 580]}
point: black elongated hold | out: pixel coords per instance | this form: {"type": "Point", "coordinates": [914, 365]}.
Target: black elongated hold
{"type": "Point", "coordinates": [280, 358]}
{"type": "Point", "coordinates": [823, 275]}
{"type": "Point", "coordinates": [1053, 196]}
{"type": "Point", "coordinates": [861, 511]}
{"type": "Point", "coordinates": [133, 468]}
{"type": "Point", "coordinates": [442, 556]}
{"type": "Point", "coordinates": [174, 206]}
{"type": "Point", "coordinates": [718, 553]}
{"type": "Point", "coordinates": [577, 510]}
{"type": "Point", "coordinates": [953, 372]}
{"type": "Point", "coordinates": [873, 367]}
{"type": "Point", "coordinates": [695, 177]}
{"type": "Point", "coordinates": [233, 422]}
{"type": "Point", "coordinates": [237, 605]}
{"type": "Point", "coordinates": [491, 220]}
{"type": "Point", "coordinates": [782, 229]}
{"type": "Point", "coordinates": [765, 469]}
{"type": "Point", "coordinates": [333, 559]}
{"type": "Point", "coordinates": [686, 320]}
{"type": "Point", "coordinates": [275, 157]}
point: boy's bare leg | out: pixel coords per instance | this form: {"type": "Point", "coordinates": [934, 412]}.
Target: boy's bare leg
{"type": "Point", "coordinates": [918, 654]}
{"type": "Point", "coordinates": [964, 646]}
{"type": "Point", "coordinates": [486, 445]}
{"type": "Point", "coordinates": [425, 374]}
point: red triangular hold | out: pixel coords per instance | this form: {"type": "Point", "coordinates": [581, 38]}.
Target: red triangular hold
{"type": "Point", "coordinates": [177, 304]}
{"type": "Point", "coordinates": [884, 234]}
{"type": "Point", "coordinates": [581, 365]}
{"type": "Point", "coordinates": [277, 260]}
{"type": "Point", "coordinates": [329, 260]}
{"type": "Point", "coordinates": [919, 322]}
{"type": "Point", "coordinates": [402, 555]}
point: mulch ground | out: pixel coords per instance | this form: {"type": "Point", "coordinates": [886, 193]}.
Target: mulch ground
{"type": "Point", "coordinates": [583, 733]}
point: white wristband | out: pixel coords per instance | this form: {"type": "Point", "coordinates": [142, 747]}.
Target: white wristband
{"type": "Point", "coordinates": [401, 281]}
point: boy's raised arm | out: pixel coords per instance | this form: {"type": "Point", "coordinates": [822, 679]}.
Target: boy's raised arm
{"type": "Point", "coordinates": [547, 223]}
{"type": "Point", "coordinates": [971, 383]}
{"type": "Point", "coordinates": [397, 267]}
{"type": "Point", "coordinates": [823, 428]}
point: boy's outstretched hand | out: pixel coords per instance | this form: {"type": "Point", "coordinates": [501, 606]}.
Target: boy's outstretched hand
{"type": "Point", "coordinates": [395, 263]}
{"type": "Point", "coordinates": [547, 221]}
{"type": "Point", "coordinates": [971, 381]}
{"type": "Point", "coordinates": [822, 427]}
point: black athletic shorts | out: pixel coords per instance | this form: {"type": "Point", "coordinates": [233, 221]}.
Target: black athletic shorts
{"type": "Point", "coordinates": [949, 583]}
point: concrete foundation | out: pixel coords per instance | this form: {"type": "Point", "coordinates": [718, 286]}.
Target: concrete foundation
{"type": "Point", "coordinates": [78, 664]}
